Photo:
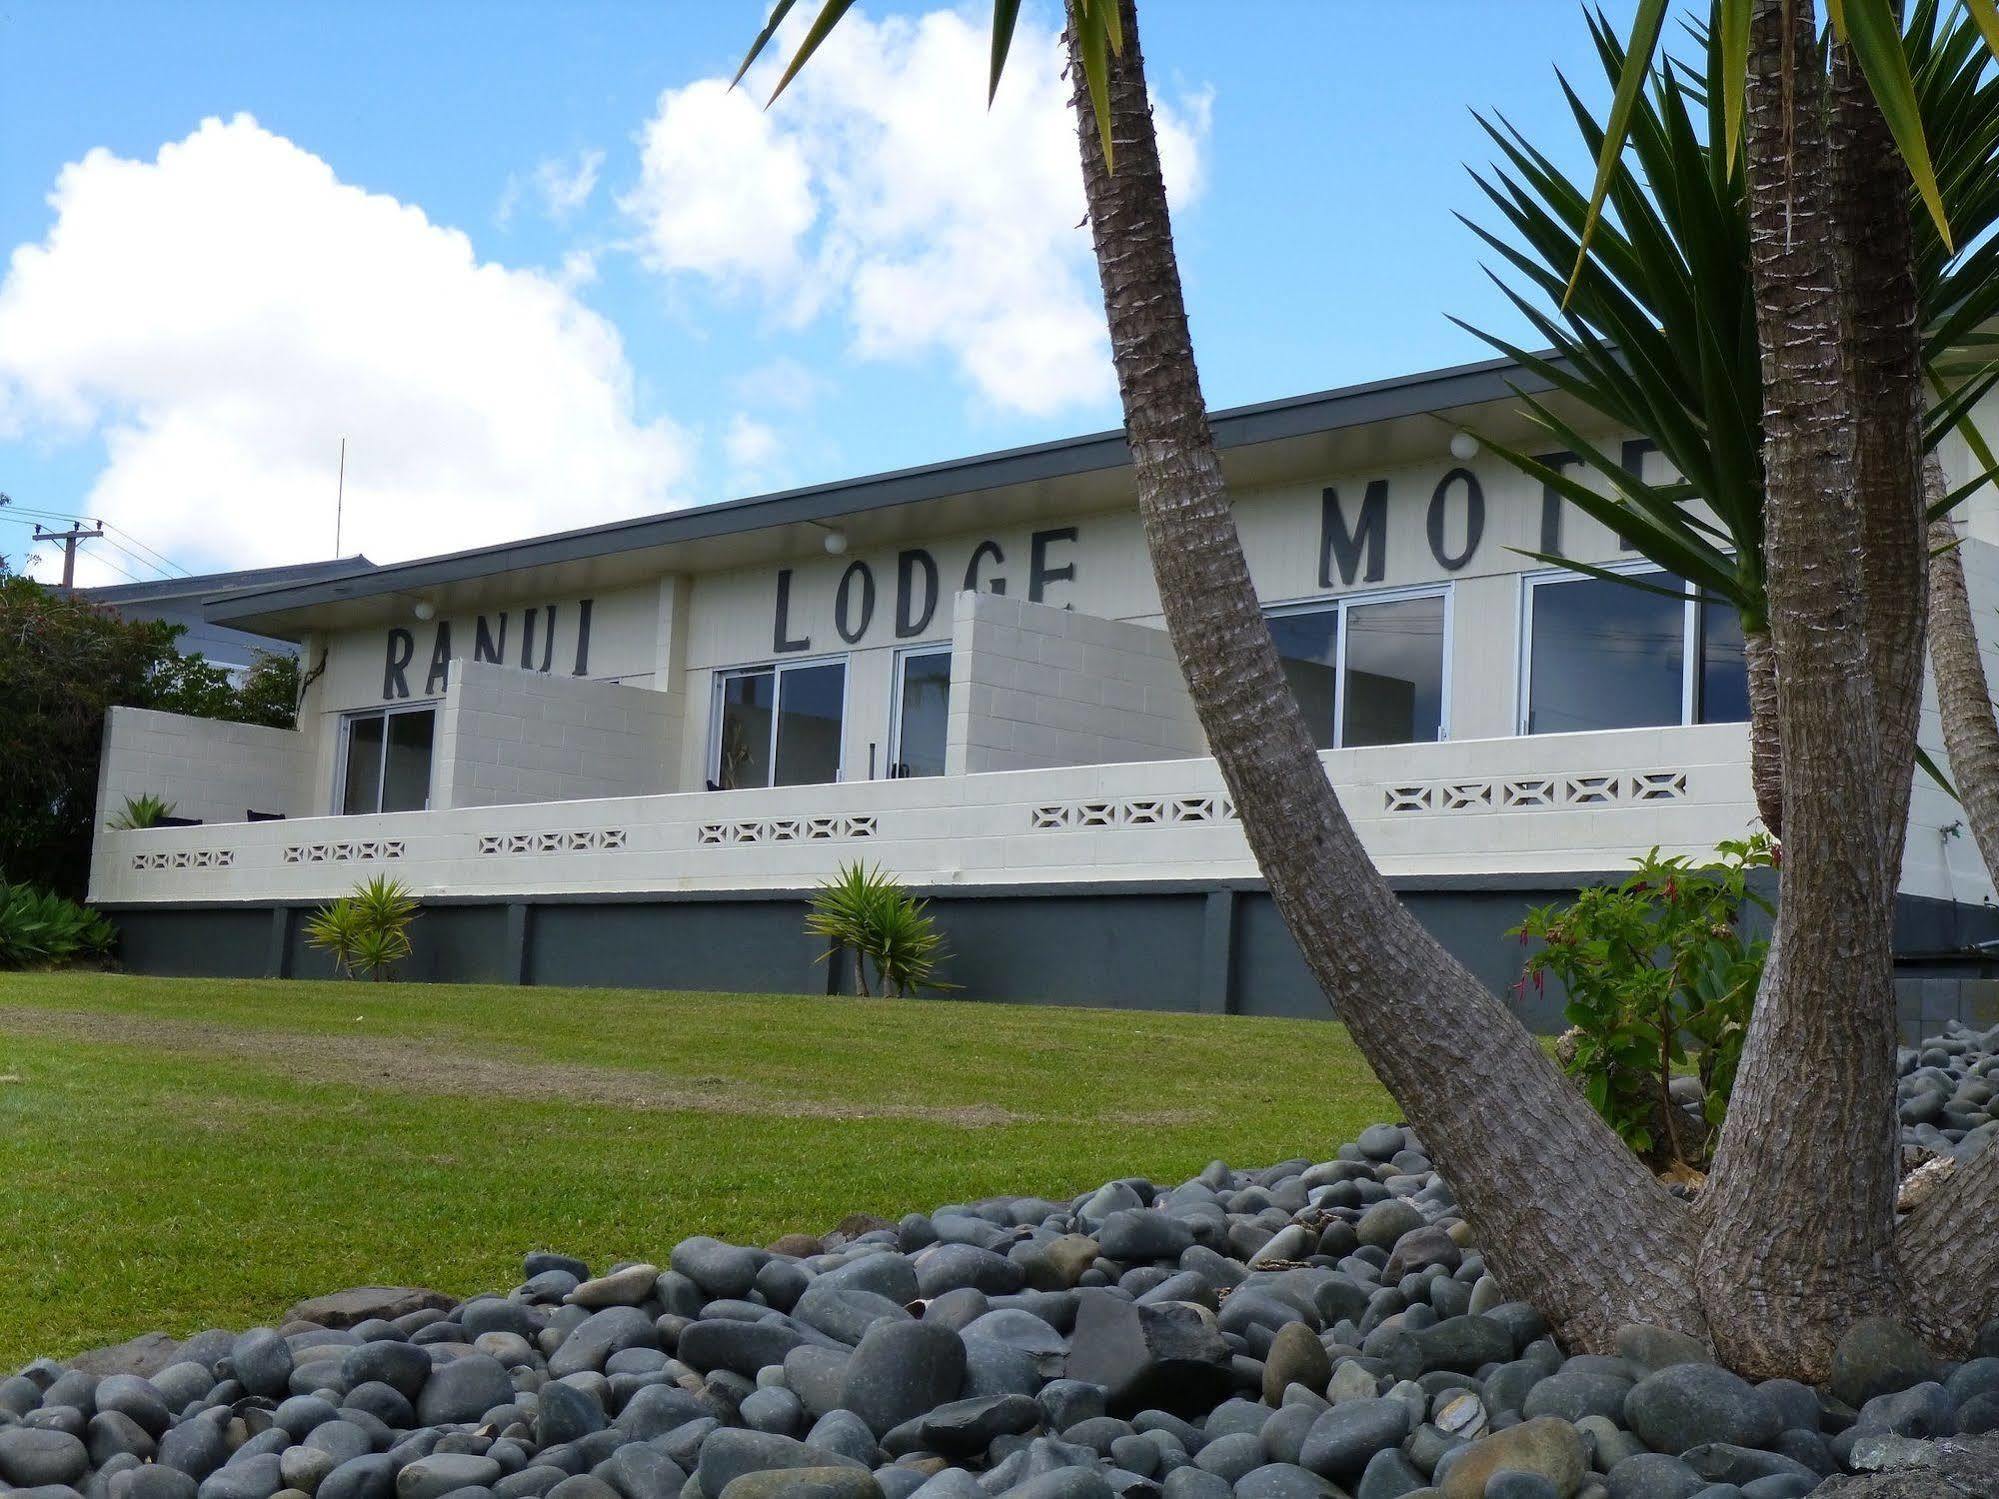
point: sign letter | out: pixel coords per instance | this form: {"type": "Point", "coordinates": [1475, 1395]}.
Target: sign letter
{"type": "Point", "coordinates": [489, 647]}
{"type": "Point", "coordinates": [1551, 501]}
{"type": "Point", "coordinates": [1370, 531]}
{"type": "Point", "coordinates": [1474, 518]}
{"type": "Point", "coordinates": [440, 660]}
{"type": "Point", "coordinates": [980, 552]}
{"type": "Point", "coordinates": [583, 637]}
{"type": "Point", "coordinates": [908, 621]}
{"type": "Point", "coordinates": [402, 646]}
{"type": "Point", "coordinates": [780, 638]}
{"type": "Point", "coordinates": [1039, 573]}
{"type": "Point", "coordinates": [842, 601]}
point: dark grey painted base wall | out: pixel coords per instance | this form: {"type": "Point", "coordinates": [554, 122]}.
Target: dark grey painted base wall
{"type": "Point", "coordinates": [1143, 947]}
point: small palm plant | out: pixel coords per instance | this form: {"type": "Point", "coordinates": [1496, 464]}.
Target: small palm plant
{"type": "Point", "coordinates": [873, 917]}
{"type": "Point", "coordinates": [144, 811]}
{"type": "Point", "coordinates": [368, 930]}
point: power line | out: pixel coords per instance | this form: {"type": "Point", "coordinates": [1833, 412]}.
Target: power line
{"type": "Point", "coordinates": [123, 551]}
{"type": "Point", "coordinates": [164, 559]}
{"type": "Point", "coordinates": [165, 565]}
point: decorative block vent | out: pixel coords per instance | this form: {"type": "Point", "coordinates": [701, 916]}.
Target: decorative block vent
{"type": "Point", "coordinates": [1134, 812]}
{"type": "Point", "coordinates": [345, 852]}
{"type": "Point", "coordinates": [1521, 793]}
{"type": "Point", "coordinates": [788, 830]}
{"type": "Point", "coordinates": [577, 841]}
{"type": "Point", "coordinates": [197, 858]}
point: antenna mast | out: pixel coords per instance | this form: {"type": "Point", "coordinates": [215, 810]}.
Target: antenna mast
{"type": "Point", "coordinates": [340, 497]}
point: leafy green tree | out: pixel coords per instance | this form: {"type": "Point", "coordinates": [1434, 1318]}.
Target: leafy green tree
{"type": "Point", "coordinates": [63, 664]}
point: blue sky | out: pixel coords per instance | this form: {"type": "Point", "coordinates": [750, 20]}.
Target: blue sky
{"type": "Point", "coordinates": [659, 297]}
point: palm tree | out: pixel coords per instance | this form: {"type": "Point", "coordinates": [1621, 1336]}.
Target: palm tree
{"type": "Point", "coordinates": [1652, 325]}
{"type": "Point", "coordinates": [1803, 1191]}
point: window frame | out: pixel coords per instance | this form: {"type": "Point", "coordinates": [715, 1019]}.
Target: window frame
{"type": "Point", "coordinates": [384, 711]}
{"type": "Point", "coordinates": [903, 656]}
{"type": "Point", "coordinates": [1342, 602]}
{"type": "Point", "coordinates": [1691, 603]}
{"type": "Point", "coordinates": [725, 674]}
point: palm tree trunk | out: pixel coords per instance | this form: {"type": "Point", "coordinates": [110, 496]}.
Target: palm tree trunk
{"type": "Point", "coordinates": [1964, 699]}
{"type": "Point", "coordinates": [1567, 1217]}
{"type": "Point", "coordinates": [1948, 1250]}
{"type": "Point", "coordinates": [1799, 1209]}
{"type": "Point", "coordinates": [1874, 261]}
{"type": "Point", "coordinates": [1766, 750]}
{"type": "Point", "coordinates": [1949, 1255]}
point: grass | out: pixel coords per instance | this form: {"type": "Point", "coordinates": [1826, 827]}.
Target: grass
{"type": "Point", "coordinates": [184, 1153]}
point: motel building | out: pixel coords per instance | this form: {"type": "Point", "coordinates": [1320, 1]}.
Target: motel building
{"type": "Point", "coordinates": [627, 755]}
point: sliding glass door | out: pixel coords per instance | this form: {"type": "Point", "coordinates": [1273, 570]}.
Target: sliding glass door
{"type": "Point", "coordinates": [922, 712]}
{"type": "Point", "coordinates": [386, 760]}
{"type": "Point", "coordinates": [1367, 670]}
{"type": "Point", "coordinates": [779, 725]}
{"type": "Point", "coordinates": [1608, 655]}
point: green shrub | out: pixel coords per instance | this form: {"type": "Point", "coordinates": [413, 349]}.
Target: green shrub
{"type": "Point", "coordinates": [1660, 978]}
{"type": "Point", "coordinates": [367, 931]}
{"type": "Point", "coordinates": [39, 928]}
{"type": "Point", "coordinates": [141, 812]}
{"type": "Point", "coordinates": [873, 917]}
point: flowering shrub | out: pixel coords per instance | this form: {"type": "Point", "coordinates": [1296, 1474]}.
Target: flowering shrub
{"type": "Point", "coordinates": [1660, 979]}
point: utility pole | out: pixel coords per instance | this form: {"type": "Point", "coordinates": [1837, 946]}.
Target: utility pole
{"type": "Point", "coordinates": [70, 540]}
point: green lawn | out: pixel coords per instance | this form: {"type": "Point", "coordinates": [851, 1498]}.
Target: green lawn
{"type": "Point", "coordinates": [182, 1153]}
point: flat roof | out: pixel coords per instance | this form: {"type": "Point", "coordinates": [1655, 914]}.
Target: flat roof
{"type": "Point", "coordinates": [281, 608]}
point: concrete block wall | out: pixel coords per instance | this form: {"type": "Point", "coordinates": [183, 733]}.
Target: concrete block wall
{"type": "Point", "coordinates": [1035, 687]}
{"type": "Point", "coordinates": [507, 735]}
{"type": "Point", "coordinates": [218, 772]}
{"type": "Point", "coordinates": [1553, 804]}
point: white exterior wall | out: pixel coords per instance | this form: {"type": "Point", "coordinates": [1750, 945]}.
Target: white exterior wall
{"type": "Point", "coordinates": [1557, 803]}
{"type": "Point", "coordinates": [218, 772]}
{"type": "Point", "coordinates": [664, 642]}
{"type": "Point", "coordinates": [507, 735]}
{"type": "Point", "coordinates": [1033, 687]}
{"type": "Point", "coordinates": [623, 647]}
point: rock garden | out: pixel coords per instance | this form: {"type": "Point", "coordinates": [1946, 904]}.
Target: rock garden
{"type": "Point", "coordinates": [1305, 1330]}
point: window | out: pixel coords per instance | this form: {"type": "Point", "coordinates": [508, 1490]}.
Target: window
{"type": "Point", "coordinates": [922, 712]}
{"type": "Point", "coordinates": [1606, 655]}
{"type": "Point", "coordinates": [780, 725]}
{"type": "Point", "coordinates": [1367, 670]}
{"type": "Point", "coordinates": [386, 765]}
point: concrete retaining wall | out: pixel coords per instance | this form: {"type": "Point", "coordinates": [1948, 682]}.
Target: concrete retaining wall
{"type": "Point", "coordinates": [1035, 687]}
{"type": "Point", "coordinates": [214, 771]}
{"type": "Point", "coordinates": [1165, 947]}
{"type": "Point", "coordinates": [507, 736]}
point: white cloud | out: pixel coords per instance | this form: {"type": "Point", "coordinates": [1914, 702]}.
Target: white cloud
{"type": "Point", "coordinates": [749, 444]}
{"type": "Point", "coordinates": [724, 192]}
{"type": "Point", "coordinates": [561, 186]}
{"type": "Point", "coordinates": [223, 315]}
{"type": "Point", "coordinates": [564, 188]}
{"type": "Point", "coordinates": [782, 384]}
{"type": "Point", "coordinates": [882, 185]}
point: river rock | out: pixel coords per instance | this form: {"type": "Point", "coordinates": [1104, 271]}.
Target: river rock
{"type": "Point", "coordinates": [1170, 1357]}
{"type": "Point", "coordinates": [902, 1370]}
{"type": "Point", "coordinates": [1296, 1356]}
{"type": "Point", "coordinates": [1876, 1356]}
{"type": "Point", "coordinates": [464, 1390]}
{"type": "Point", "coordinates": [1687, 1405]}
{"type": "Point", "coordinates": [1547, 1445]}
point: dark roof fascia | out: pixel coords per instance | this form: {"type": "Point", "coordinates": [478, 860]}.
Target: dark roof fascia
{"type": "Point", "coordinates": [217, 585]}
{"type": "Point", "coordinates": [1241, 426]}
